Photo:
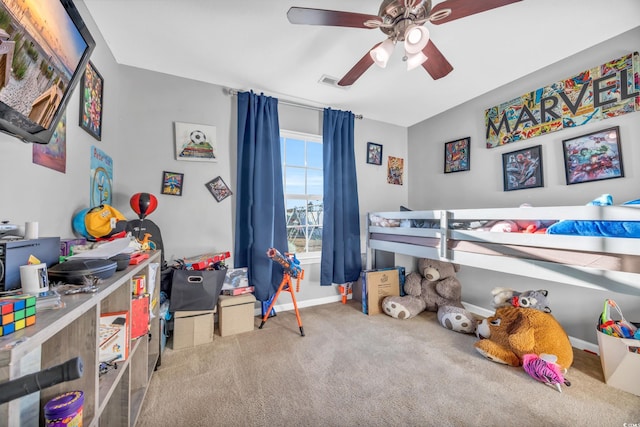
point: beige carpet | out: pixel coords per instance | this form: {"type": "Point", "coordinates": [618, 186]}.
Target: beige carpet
{"type": "Point", "coordinates": [356, 370]}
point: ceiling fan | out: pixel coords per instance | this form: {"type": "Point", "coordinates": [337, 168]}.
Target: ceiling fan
{"type": "Point", "coordinates": [402, 21]}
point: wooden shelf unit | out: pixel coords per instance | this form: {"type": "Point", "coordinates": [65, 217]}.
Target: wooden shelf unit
{"type": "Point", "coordinates": [115, 399]}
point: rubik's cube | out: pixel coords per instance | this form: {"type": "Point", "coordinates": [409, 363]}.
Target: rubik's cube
{"type": "Point", "coordinates": [16, 312]}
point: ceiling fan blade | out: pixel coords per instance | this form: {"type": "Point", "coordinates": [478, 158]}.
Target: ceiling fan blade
{"type": "Point", "coordinates": [336, 18]}
{"type": "Point", "coordinates": [436, 64]}
{"type": "Point", "coordinates": [462, 8]}
{"type": "Point", "coordinates": [361, 66]}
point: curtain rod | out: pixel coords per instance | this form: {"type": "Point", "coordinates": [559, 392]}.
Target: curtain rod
{"type": "Point", "coordinates": [234, 92]}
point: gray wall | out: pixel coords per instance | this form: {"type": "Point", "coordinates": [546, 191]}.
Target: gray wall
{"type": "Point", "coordinates": [140, 108]}
{"type": "Point", "coordinates": [429, 188]}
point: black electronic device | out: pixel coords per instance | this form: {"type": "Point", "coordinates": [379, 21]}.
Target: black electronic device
{"type": "Point", "coordinates": [14, 253]}
{"type": "Point", "coordinates": [70, 370]}
{"type": "Point", "coordinates": [42, 48]}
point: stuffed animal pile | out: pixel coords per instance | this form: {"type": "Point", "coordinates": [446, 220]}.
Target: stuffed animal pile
{"type": "Point", "coordinates": [433, 288]}
{"type": "Point", "coordinates": [502, 297]}
{"type": "Point", "coordinates": [522, 324]}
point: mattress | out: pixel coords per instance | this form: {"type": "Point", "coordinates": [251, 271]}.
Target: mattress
{"type": "Point", "coordinates": [598, 260]}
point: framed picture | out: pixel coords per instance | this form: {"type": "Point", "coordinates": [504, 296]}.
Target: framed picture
{"type": "Point", "coordinates": [593, 157]}
{"type": "Point", "coordinates": [522, 169]}
{"type": "Point", "coordinates": [172, 183]}
{"type": "Point", "coordinates": [457, 155]}
{"type": "Point", "coordinates": [54, 154]}
{"type": "Point", "coordinates": [196, 142]}
{"type": "Point", "coordinates": [395, 170]}
{"type": "Point", "coordinates": [218, 189]}
{"type": "Point", "coordinates": [92, 86]}
{"type": "Point", "coordinates": [374, 153]}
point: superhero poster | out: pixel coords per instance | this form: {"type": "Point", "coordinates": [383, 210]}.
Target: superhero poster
{"type": "Point", "coordinates": [523, 169]}
{"type": "Point", "coordinates": [395, 170]}
{"type": "Point", "coordinates": [605, 91]}
{"type": "Point", "coordinates": [593, 157]}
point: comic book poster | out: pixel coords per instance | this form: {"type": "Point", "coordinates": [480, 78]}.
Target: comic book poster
{"type": "Point", "coordinates": [615, 103]}
{"type": "Point", "coordinates": [601, 92]}
{"type": "Point", "coordinates": [395, 169]}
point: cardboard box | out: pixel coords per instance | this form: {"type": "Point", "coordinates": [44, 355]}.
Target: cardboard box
{"type": "Point", "coordinates": [235, 314]}
{"type": "Point", "coordinates": [620, 359]}
{"type": "Point", "coordinates": [376, 285]}
{"type": "Point", "coordinates": [191, 328]}
{"type": "Point", "coordinates": [358, 291]}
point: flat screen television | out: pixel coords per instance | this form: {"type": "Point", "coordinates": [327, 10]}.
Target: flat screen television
{"type": "Point", "coordinates": [44, 49]}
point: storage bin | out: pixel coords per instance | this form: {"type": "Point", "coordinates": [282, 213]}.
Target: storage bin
{"type": "Point", "coordinates": [191, 328]}
{"type": "Point", "coordinates": [193, 290]}
{"type": "Point", "coordinates": [620, 359]}
{"type": "Point", "coordinates": [235, 314]}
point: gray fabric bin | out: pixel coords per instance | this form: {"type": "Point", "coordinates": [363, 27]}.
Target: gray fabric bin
{"type": "Point", "coordinates": [195, 289]}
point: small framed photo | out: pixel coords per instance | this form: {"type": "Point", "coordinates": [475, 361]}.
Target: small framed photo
{"type": "Point", "coordinates": [593, 157]}
{"type": "Point", "coordinates": [92, 86]}
{"type": "Point", "coordinates": [374, 153]}
{"type": "Point", "coordinates": [218, 189]}
{"type": "Point", "coordinates": [195, 142]}
{"type": "Point", "coordinates": [172, 183]}
{"type": "Point", "coordinates": [522, 169]}
{"type": "Point", "coordinates": [457, 155]}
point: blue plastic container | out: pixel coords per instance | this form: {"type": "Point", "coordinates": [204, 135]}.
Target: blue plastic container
{"type": "Point", "coordinates": [64, 410]}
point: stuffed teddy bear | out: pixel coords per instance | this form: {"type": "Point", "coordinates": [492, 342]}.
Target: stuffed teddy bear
{"type": "Point", "coordinates": [433, 288]}
{"type": "Point", "coordinates": [528, 299]}
{"type": "Point", "coordinates": [513, 332]}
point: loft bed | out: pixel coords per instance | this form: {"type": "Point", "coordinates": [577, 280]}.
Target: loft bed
{"type": "Point", "coordinates": [595, 247]}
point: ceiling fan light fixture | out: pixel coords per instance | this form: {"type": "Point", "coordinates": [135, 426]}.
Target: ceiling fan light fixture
{"type": "Point", "coordinates": [381, 53]}
{"type": "Point", "coordinates": [416, 38]}
{"type": "Point", "coordinates": [415, 60]}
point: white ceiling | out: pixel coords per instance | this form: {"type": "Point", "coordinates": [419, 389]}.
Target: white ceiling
{"type": "Point", "coordinates": [250, 44]}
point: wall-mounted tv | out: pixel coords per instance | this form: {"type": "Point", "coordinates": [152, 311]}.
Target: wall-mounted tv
{"type": "Point", "coordinates": [44, 48]}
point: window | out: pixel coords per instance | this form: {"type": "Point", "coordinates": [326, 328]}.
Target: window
{"type": "Point", "coordinates": [303, 190]}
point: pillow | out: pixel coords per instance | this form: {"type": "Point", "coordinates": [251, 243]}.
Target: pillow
{"type": "Point", "coordinates": [415, 223]}
{"type": "Point", "coordinates": [604, 200]}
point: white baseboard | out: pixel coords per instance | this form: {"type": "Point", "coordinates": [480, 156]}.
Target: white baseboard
{"type": "Point", "coordinates": [302, 304]}
{"type": "Point", "coordinates": [575, 342]}
{"type": "Point", "coordinates": [475, 309]}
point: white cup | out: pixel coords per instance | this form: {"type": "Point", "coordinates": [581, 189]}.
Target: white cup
{"type": "Point", "coordinates": [34, 279]}
{"type": "Point", "coordinates": [30, 230]}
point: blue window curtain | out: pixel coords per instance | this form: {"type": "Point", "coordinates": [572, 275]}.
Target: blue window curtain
{"type": "Point", "coordinates": [341, 259]}
{"type": "Point", "coordinates": [260, 215]}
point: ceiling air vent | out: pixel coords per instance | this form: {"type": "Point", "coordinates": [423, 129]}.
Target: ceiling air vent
{"type": "Point", "coordinates": [331, 81]}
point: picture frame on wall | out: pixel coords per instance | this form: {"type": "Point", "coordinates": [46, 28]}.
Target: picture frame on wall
{"type": "Point", "coordinates": [457, 155]}
{"type": "Point", "coordinates": [172, 183]}
{"type": "Point", "coordinates": [522, 169]}
{"type": "Point", "coordinates": [92, 88]}
{"type": "Point", "coordinates": [593, 157]}
{"type": "Point", "coordinates": [218, 189]}
{"type": "Point", "coordinates": [196, 142]}
{"type": "Point", "coordinates": [374, 153]}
